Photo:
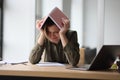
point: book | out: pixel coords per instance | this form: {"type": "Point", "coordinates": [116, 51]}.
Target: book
{"type": "Point", "coordinates": [56, 16]}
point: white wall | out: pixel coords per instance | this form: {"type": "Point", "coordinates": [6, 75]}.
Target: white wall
{"type": "Point", "coordinates": [77, 19]}
{"type": "Point", "coordinates": [19, 29]}
{"type": "Point", "coordinates": [112, 22]}
{"type": "Point", "coordinates": [48, 5]}
{"type": "Point", "coordinates": [90, 23]}
{"type": "Point", "coordinates": [100, 26]}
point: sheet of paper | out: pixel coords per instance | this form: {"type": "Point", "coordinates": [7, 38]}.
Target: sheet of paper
{"type": "Point", "coordinates": [2, 62]}
{"type": "Point", "coordinates": [50, 64]}
{"type": "Point", "coordinates": [13, 62]}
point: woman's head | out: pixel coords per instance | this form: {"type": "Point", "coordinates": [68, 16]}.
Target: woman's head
{"type": "Point", "coordinates": [51, 31]}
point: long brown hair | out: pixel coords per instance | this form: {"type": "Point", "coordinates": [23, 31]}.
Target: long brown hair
{"type": "Point", "coordinates": [47, 24]}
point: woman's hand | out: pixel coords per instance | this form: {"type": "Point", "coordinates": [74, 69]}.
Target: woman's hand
{"type": "Point", "coordinates": [42, 35]}
{"type": "Point", "coordinates": [39, 23]}
{"type": "Point", "coordinates": [63, 30]}
{"type": "Point", "coordinates": [66, 25]}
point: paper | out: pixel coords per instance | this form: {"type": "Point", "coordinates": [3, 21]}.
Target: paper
{"type": "Point", "coordinates": [50, 64]}
{"type": "Point", "coordinates": [14, 62]}
{"type": "Point", "coordinates": [2, 62]}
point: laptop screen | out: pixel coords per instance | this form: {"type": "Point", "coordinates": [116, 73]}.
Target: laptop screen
{"type": "Point", "coordinates": [105, 57]}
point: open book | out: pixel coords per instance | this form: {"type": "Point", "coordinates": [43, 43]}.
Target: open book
{"type": "Point", "coordinates": [56, 16]}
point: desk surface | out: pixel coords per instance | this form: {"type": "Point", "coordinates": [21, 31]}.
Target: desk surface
{"type": "Point", "coordinates": [54, 72]}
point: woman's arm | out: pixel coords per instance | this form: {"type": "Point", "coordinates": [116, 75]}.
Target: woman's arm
{"type": "Point", "coordinates": [63, 30]}
{"type": "Point", "coordinates": [72, 49]}
{"type": "Point", "coordinates": [69, 43]}
{"type": "Point", "coordinates": [37, 51]}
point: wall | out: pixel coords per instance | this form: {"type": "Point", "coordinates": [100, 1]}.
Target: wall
{"type": "Point", "coordinates": [19, 29]}
{"type": "Point", "coordinates": [90, 23]}
{"type": "Point", "coordinates": [50, 5]}
{"type": "Point", "coordinates": [101, 23]}
{"type": "Point", "coordinates": [77, 19]}
{"type": "Point", "coordinates": [100, 26]}
{"type": "Point", "coordinates": [112, 22]}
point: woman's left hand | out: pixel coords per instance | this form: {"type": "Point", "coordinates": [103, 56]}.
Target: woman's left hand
{"type": "Point", "coordinates": [66, 25]}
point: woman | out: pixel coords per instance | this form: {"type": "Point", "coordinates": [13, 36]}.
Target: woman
{"type": "Point", "coordinates": [60, 45]}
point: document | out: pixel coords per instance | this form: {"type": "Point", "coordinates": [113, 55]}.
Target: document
{"type": "Point", "coordinates": [2, 62]}
{"type": "Point", "coordinates": [50, 64]}
{"type": "Point", "coordinates": [13, 62]}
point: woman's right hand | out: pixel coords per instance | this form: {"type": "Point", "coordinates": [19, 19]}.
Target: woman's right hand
{"type": "Point", "coordinates": [42, 35]}
{"type": "Point", "coordinates": [39, 23]}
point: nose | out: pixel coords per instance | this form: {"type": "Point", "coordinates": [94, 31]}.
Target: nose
{"type": "Point", "coordinates": [52, 35]}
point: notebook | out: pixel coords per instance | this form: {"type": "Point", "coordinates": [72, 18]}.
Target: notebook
{"type": "Point", "coordinates": [56, 16]}
{"type": "Point", "coordinates": [103, 60]}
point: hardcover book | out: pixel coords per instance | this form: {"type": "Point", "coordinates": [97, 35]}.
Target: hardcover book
{"type": "Point", "coordinates": [56, 16]}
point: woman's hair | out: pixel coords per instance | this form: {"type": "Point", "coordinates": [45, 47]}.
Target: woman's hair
{"type": "Point", "coordinates": [47, 24]}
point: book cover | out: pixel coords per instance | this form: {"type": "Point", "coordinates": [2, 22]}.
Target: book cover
{"type": "Point", "coordinates": [56, 16]}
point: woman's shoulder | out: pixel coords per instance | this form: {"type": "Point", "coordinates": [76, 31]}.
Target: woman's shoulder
{"type": "Point", "coordinates": [71, 32]}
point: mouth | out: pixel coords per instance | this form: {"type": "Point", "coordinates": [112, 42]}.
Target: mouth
{"type": "Point", "coordinates": [54, 40]}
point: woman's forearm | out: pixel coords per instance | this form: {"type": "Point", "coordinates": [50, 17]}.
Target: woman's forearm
{"type": "Point", "coordinates": [36, 53]}
{"type": "Point", "coordinates": [64, 39]}
{"type": "Point", "coordinates": [41, 39]}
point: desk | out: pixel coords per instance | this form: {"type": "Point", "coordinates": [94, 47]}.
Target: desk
{"type": "Point", "coordinates": [54, 72]}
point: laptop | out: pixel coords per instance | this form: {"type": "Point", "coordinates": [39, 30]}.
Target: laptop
{"type": "Point", "coordinates": [56, 16]}
{"type": "Point", "coordinates": [103, 60]}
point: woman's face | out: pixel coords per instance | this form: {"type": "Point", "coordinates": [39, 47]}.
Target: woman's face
{"type": "Point", "coordinates": [53, 34]}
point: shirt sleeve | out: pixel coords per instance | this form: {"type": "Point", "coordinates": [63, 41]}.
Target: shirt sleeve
{"type": "Point", "coordinates": [72, 49]}
{"type": "Point", "coordinates": [36, 53]}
